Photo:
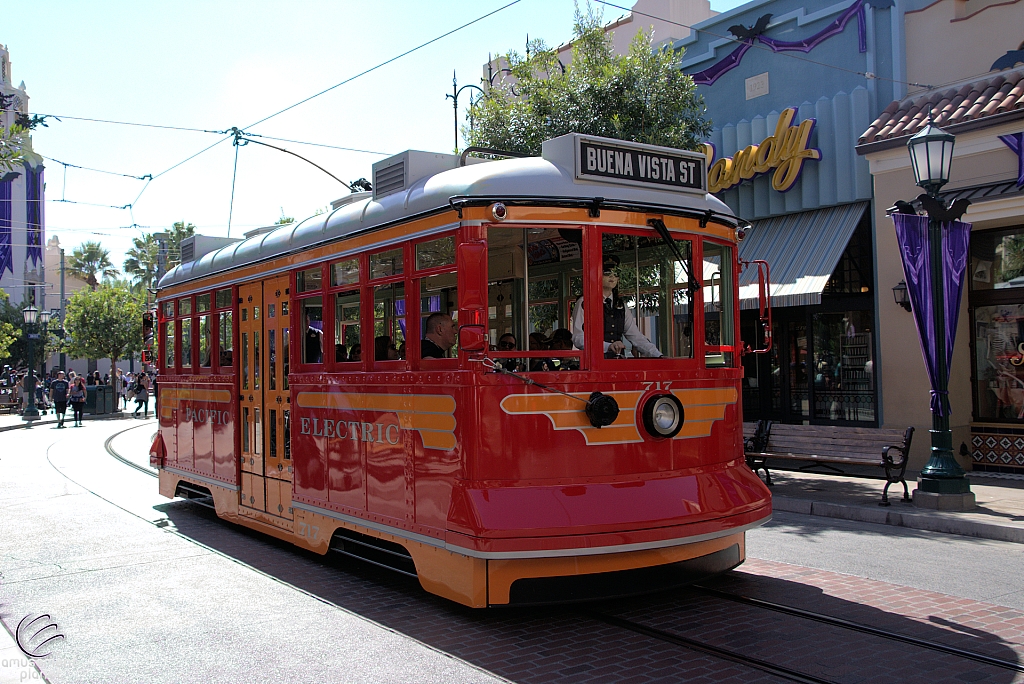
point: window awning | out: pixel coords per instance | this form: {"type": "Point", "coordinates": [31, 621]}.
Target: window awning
{"type": "Point", "coordinates": [801, 249]}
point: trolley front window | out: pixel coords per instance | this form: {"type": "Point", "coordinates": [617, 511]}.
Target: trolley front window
{"type": "Point", "coordinates": [718, 307]}
{"type": "Point", "coordinates": [648, 289]}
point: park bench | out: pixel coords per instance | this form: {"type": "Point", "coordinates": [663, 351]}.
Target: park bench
{"type": "Point", "coordinates": [8, 403]}
{"type": "Point", "coordinates": [830, 447]}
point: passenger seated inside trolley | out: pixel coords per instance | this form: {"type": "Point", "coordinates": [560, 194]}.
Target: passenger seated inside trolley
{"type": "Point", "coordinates": [535, 291]}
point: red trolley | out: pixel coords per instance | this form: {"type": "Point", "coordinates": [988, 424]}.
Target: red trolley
{"type": "Point", "coordinates": [533, 460]}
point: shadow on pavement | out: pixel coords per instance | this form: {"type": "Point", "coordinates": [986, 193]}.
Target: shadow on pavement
{"type": "Point", "coordinates": [560, 643]}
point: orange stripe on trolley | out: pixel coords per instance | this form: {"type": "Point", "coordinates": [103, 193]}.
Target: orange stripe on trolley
{"type": "Point", "coordinates": [701, 408]}
{"type": "Point", "coordinates": [432, 415]}
{"type": "Point", "coordinates": [566, 413]}
{"type": "Point", "coordinates": [173, 395]}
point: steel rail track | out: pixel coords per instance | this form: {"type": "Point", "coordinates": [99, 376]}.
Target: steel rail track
{"type": "Point", "coordinates": [865, 629]}
{"type": "Point", "coordinates": [708, 649]}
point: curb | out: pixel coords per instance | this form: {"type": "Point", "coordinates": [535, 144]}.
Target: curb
{"type": "Point", "coordinates": [897, 518]}
{"type": "Point", "coordinates": [22, 426]}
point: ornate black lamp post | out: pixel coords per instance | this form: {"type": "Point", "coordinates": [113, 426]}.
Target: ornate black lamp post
{"type": "Point", "coordinates": [30, 315]}
{"type": "Point", "coordinates": [456, 91]}
{"type": "Point", "coordinates": [931, 153]}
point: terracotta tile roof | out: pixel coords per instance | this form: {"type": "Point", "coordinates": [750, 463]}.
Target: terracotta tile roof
{"type": "Point", "coordinates": [999, 93]}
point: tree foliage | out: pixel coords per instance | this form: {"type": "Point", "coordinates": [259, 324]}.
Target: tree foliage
{"type": "Point", "coordinates": [8, 332]}
{"type": "Point", "coordinates": [641, 96]}
{"type": "Point", "coordinates": [178, 232]}
{"type": "Point", "coordinates": [104, 323]}
{"type": "Point", "coordinates": [12, 145]}
{"type": "Point", "coordinates": [141, 261]}
{"type": "Point", "coordinates": [90, 262]}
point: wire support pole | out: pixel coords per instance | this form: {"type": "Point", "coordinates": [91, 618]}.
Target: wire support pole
{"type": "Point", "coordinates": [234, 175]}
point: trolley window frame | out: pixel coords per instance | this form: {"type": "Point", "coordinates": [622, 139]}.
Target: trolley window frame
{"type": "Point", "coordinates": [413, 291]}
{"type": "Point", "coordinates": [368, 313]}
{"type": "Point", "coordinates": [297, 315]}
{"type": "Point", "coordinates": [330, 294]}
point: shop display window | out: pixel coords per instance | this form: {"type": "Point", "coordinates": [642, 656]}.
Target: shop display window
{"type": "Point", "coordinates": [997, 318]}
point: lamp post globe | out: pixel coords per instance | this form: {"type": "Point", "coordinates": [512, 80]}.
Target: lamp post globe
{"type": "Point", "coordinates": [30, 314]}
{"type": "Point", "coordinates": [931, 155]}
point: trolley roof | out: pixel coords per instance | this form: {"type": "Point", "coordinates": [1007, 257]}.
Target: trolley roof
{"type": "Point", "coordinates": [551, 177]}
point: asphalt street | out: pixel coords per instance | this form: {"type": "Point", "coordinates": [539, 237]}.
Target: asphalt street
{"type": "Point", "coordinates": [147, 590]}
{"type": "Point", "coordinates": [967, 567]}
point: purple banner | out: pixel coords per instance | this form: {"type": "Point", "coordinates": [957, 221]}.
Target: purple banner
{"type": "Point", "coordinates": [34, 229]}
{"type": "Point", "coordinates": [6, 250]}
{"type": "Point", "coordinates": [733, 59]}
{"type": "Point", "coordinates": [716, 71]}
{"type": "Point", "coordinates": [912, 236]}
{"type": "Point", "coordinates": [835, 28]}
{"type": "Point", "coordinates": [1015, 141]}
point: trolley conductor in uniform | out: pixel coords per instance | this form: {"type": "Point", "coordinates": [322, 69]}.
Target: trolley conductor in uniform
{"type": "Point", "coordinates": [618, 324]}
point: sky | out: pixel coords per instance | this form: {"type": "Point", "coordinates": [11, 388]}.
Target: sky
{"type": "Point", "coordinates": [215, 65]}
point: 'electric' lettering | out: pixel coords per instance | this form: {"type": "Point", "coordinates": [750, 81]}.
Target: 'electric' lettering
{"type": "Point", "coordinates": [354, 430]}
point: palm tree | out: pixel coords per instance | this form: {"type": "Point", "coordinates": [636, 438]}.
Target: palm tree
{"type": "Point", "coordinates": [178, 232]}
{"type": "Point", "coordinates": [141, 261]}
{"type": "Point", "coordinates": [89, 260]}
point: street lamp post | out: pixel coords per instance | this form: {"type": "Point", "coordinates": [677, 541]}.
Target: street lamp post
{"type": "Point", "coordinates": [931, 152]}
{"type": "Point", "coordinates": [456, 91]}
{"type": "Point", "coordinates": [30, 315]}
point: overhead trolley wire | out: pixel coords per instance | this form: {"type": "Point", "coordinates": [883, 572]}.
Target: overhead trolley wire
{"type": "Point", "coordinates": [385, 63]}
{"type": "Point", "coordinates": [87, 168]}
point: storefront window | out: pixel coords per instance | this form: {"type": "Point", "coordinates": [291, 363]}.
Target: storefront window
{"type": "Point", "coordinates": [844, 367]}
{"type": "Point", "coordinates": [999, 362]}
{"type": "Point", "coordinates": [997, 308]}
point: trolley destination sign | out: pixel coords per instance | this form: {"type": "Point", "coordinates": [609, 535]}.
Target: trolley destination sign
{"type": "Point", "coordinates": [648, 166]}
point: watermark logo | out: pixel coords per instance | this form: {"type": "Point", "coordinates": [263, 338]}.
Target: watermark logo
{"type": "Point", "coordinates": [36, 636]}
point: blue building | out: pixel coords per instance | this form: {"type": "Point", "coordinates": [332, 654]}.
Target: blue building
{"type": "Point", "coordinates": [789, 87]}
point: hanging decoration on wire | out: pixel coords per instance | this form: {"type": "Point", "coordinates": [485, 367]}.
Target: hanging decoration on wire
{"type": "Point", "coordinates": [747, 36]}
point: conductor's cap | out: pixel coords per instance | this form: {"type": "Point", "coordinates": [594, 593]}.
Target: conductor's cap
{"type": "Point", "coordinates": [610, 263]}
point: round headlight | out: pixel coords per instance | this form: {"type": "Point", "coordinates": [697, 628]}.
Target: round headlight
{"type": "Point", "coordinates": [663, 415]}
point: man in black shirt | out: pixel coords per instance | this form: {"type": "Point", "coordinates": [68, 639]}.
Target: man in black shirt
{"type": "Point", "coordinates": [439, 336]}
{"type": "Point", "coordinates": [59, 395]}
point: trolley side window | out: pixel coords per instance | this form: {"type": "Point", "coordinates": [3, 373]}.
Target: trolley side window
{"type": "Point", "coordinates": [389, 321]}
{"type": "Point", "coordinates": [185, 309]}
{"type": "Point", "coordinates": [437, 281]}
{"type": "Point", "coordinates": [205, 331]}
{"type": "Point", "coordinates": [718, 305]}
{"type": "Point", "coordinates": [345, 278]}
{"type": "Point", "coordinates": [309, 285]}
{"type": "Point", "coordinates": [534, 278]}
{"type": "Point", "coordinates": [648, 288]}
{"type": "Point", "coordinates": [167, 358]}
{"type": "Point", "coordinates": [225, 329]}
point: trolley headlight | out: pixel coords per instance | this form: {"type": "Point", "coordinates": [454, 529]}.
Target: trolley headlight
{"type": "Point", "coordinates": [663, 415]}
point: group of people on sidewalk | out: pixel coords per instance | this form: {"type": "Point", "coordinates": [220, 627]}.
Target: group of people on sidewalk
{"type": "Point", "coordinates": [128, 386]}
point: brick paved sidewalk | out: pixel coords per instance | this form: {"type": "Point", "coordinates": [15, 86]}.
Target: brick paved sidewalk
{"type": "Point", "coordinates": [999, 515]}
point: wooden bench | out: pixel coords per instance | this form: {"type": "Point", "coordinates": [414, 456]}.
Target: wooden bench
{"type": "Point", "coordinates": [830, 447]}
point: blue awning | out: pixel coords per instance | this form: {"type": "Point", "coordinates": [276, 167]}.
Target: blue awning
{"type": "Point", "coordinates": [801, 249]}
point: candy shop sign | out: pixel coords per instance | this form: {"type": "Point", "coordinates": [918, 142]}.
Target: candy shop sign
{"type": "Point", "coordinates": [785, 153]}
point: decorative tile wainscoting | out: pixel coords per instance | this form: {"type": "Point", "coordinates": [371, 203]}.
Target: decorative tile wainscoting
{"type": "Point", "coordinates": [997, 449]}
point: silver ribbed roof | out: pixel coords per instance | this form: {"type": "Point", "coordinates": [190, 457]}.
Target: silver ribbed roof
{"type": "Point", "coordinates": [532, 177]}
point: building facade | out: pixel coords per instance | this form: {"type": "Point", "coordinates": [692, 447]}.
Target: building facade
{"type": "Point", "coordinates": [970, 55]}
{"type": "Point", "coordinates": [789, 87]}
{"type": "Point", "coordinates": [22, 206]}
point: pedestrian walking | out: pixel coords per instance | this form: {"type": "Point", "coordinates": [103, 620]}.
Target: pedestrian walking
{"type": "Point", "coordinates": [142, 395]}
{"type": "Point", "coordinates": [77, 399]}
{"type": "Point", "coordinates": [121, 387]}
{"type": "Point", "coordinates": [59, 389]}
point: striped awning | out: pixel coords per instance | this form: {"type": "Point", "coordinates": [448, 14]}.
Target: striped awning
{"type": "Point", "coordinates": [801, 249]}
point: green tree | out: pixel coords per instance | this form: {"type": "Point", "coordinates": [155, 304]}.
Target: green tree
{"type": "Point", "coordinates": [141, 261]}
{"type": "Point", "coordinates": [8, 332]}
{"type": "Point", "coordinates": [641, 96]}
{"type": "Point", "coordinates": [105, 323]}
{"type": "Point", "coordinates": [89, 260]}
{"type": "Point", "coordinates": [12, 145]}
{"type": "Point", "coordinates": [14, 342]}
{"type": "Point", "coordinates": [178, 232]}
